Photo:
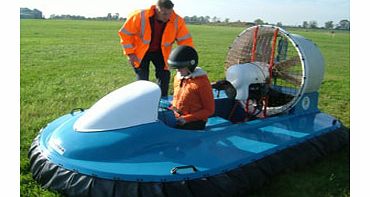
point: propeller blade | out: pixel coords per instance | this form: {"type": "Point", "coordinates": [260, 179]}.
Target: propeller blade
{"type": "Point", "coordinates": [293, 79]}
{"type": "Point", "coordinates": [285, 64]}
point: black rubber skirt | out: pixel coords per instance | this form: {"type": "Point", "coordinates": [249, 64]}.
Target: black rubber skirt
{"type": "Point", "coordinates": [237, 182]}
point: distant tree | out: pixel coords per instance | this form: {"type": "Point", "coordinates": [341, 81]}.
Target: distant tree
{"type": "Point", "coordinates": [227, 20]}
{"type": "Point", "coordinates": [258, 21]}
{"type": "Point", "coordinates": [109, 16]}
{"type": "Point", "coordinates": [214, 19]}
{"type": "Point", "coordinates": [194, 19]}
{"type": "Point", "coordinates": [207, 18]}
{"type": "Point", "coordinates": [198, 19]}
{"type": "Point", "coordinates": [73, 17]}
{"type": "Point", "coordinates": [305, 24]}
{"type": "Point", "coordinates": [313, 24]}
{"type": "Point", "coordinates": [343, 24]}
{"type": "Point", "coordinates": [201, 19]}
{"type": "Point", "coordinates": [279, 24]}
{"type": "Point", "coordinates": [329, 25]}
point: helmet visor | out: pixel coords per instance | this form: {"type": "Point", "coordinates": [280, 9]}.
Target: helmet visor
{"type": "Point", "coordinates": [179, 64]}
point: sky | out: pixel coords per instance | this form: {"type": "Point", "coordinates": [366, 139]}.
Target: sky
{"type": "Point", "coordinates": [289, 12]}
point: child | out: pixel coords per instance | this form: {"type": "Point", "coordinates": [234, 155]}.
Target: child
{"type": "Point", "coordinates": [193, 99]}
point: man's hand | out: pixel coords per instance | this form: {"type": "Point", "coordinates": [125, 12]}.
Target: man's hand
{"type": "Point", "coordinates": [132, 58]}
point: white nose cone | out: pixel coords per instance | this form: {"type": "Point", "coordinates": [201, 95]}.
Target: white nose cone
{"type": "Point", "coordinates": [241, 76]}
{"type": "Point", "coordinates": [130, 105]}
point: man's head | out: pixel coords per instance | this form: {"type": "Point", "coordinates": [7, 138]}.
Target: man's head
{"type": "Point", "coordinates": [164, 10]}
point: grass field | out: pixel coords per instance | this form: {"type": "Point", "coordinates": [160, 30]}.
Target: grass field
{"type": "Point", "coordinates": [69, 64]}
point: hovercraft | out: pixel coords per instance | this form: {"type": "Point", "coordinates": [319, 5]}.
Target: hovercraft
{"type": "Point", "coordinates": [266, 120]}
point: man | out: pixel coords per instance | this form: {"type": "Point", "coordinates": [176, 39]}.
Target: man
{"type": "Point", "coordinates": [148, 35]}
{"type": "Point", "coordinates": [193, 100]}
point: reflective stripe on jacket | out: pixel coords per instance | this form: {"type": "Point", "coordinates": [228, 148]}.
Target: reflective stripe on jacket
{"type": "Point", "coordinates": [136, 32]}
{"type": "Point", "coordinates": [193, 97]}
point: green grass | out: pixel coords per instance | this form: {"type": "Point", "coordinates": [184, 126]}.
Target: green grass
{"type": "Point", "coordinates": [69, 64]}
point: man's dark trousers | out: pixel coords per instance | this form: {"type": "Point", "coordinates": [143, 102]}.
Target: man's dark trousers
{"type": "Point", "coordinates": [162, 75]}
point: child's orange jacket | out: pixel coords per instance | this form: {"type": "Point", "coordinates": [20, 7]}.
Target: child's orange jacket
{"type": "Point", "coordinates": [193, 97]}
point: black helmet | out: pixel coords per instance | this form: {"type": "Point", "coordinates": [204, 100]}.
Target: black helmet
{"type": "Point", "coordinates": [183, 57]}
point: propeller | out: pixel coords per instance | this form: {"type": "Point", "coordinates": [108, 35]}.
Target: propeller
{"type": "Point", "coordinates": [287, 69]}
{"type": "Point", "coordinates": [291, 78]}
{"type": "Point", "coordinates": [286, 64]}
{"type": "Point", "coordinates": [283, 71]}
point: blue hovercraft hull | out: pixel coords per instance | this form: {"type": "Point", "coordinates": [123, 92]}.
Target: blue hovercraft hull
{"type": "Point", "coordinates": [148, 152]}
{"type": "Point", "coordinates": [143, 156]}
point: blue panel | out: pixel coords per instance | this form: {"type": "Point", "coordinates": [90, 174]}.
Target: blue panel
{"type": "Point", "coordinates": [273, 129]}
{"type": "Point", "coordinates": [250, 145]}
{"type": "Point", "coordinates": [310, 101]}
{"type": "Point", "coordinates": [217, 121]}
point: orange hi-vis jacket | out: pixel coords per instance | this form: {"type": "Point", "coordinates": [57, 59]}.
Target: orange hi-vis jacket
{"type": "Point", "coordinates": [193, 98]}
{"type": "Point", "coordinates": [136, 34]}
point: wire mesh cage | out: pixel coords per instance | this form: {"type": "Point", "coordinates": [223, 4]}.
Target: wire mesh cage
{"type": "Point", "coordinates": [271, 47]}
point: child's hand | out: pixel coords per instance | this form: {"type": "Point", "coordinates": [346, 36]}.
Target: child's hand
{"type": "Point", "coordinates": [180, 121]}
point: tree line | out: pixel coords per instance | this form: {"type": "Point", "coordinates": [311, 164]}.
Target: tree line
{"type": "Point", "coordinates": [341, 25]}
{"type": "Point", "coordinates": [109, 16]}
